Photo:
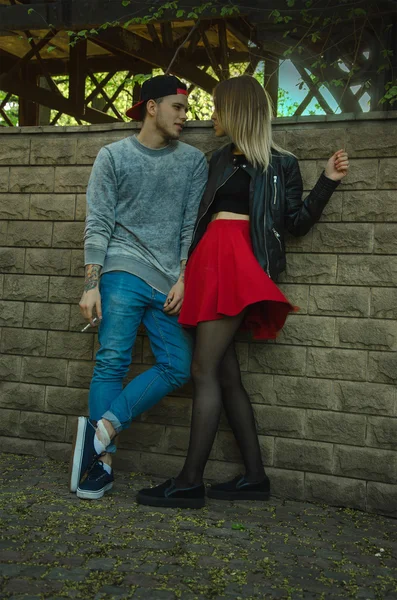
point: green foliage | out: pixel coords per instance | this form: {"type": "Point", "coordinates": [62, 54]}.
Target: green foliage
{"type": "Point", "coordinates": [238, 526]}
{"type": "Point", "coordinates": [391, 93]}
{"type": "Point", "coordinates": [11, 108]}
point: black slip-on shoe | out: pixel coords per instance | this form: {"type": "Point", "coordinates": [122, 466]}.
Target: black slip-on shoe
{"type": "Point", "coordinates": [240, 489]}
{"type": "Point", "coordinates": [168, 494]}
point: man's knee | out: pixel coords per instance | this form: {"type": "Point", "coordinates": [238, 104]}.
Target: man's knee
{"type": "Point", "coordinates": [110, 366]}
{"type": "Point", "coordinates": [178, 373]}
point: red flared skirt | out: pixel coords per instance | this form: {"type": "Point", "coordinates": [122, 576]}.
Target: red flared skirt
{"type": "Point", "coordinates": [223, 277]}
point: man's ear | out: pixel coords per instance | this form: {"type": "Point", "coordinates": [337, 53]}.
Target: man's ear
{"type": "Point", "coordinates": [151, 107]}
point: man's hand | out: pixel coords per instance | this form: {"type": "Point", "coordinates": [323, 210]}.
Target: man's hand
{"type": "Point", "coordinates": [91, 297]}
{"type": "Point", "coordinates": [337, 166]}
{"type": "Point", "coordinates": [89, 301]}
{"type": "Point", "coordinates": [173, 304]}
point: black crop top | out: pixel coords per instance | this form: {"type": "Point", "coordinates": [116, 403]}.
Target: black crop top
{"type": "Point", "coordinates": [233, 196]}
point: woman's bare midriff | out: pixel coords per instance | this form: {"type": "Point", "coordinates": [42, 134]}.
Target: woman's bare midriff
{"type": "Point", "coordinates": [223, 214]}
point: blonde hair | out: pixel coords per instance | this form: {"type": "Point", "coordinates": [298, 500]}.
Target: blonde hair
{"type": "Point", "coordinates": [244, 111]}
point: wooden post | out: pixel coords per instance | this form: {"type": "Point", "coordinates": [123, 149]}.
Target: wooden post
{"type": "Point", "coordinates": [44, 111]}
{"type": "Point", "coordinates": [271, 80]}
{"type": "Point", "coordinates": [378, 89]}
{"type": "Point", "coordinates": [222, 34]}
{"type": "Point", "coordinates": [136, 92]}
{"type": "Point", "coordinates": [77, 75]}
{"type": "Point", "coordinates": [28, 110]}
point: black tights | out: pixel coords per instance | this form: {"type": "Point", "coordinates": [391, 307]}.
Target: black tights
{"type": "Point", "coordinates": [217, 381]}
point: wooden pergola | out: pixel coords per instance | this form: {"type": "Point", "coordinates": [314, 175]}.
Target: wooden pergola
{"type": "Point", "coordinates": [40, 39]}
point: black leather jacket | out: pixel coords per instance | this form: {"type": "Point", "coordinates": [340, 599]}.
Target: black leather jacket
{"type": "Point", "coordinates": [276, 204]}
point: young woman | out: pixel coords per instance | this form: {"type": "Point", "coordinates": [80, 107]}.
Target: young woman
{"type": "Point", "coordinates": [253, 197]}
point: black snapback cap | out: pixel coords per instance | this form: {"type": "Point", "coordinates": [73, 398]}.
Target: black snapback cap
{"type": "Point", "coordinates": [156, 87]}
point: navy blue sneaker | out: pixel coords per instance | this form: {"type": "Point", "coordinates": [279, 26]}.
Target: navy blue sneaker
{"type": "Point", "coordinates": [83, 451]}
{"type": "Point", "coordinates": [97, 482]}
{"type": "Point", "coordinates": [168, 494]}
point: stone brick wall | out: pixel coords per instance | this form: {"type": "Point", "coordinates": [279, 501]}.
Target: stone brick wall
{"type": "Point", "coordinates": [324, 394]}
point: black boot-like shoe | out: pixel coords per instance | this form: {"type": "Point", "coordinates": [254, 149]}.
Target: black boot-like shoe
{"type": "Point", "coordinates": [169, 495]}
{"type": "Point", "coordinates": [240, 489]}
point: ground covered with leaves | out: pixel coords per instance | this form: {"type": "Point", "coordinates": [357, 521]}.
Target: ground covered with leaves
{"type": "Point", "coordinates": [54, 545]}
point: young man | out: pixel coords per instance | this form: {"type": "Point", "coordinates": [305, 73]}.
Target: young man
{"type": "Point", "coordinates": [142, 198]}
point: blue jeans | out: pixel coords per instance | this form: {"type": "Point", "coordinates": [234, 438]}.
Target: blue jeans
{"type": "Point", "coordinates": [127, 301]}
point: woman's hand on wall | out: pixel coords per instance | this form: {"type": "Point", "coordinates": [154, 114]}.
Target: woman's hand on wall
{"type": "Point", "coordinates": [337, 166]}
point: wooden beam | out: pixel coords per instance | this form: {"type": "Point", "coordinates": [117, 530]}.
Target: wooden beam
{"type": "Point", "coordinates": [95, 92]}
{"type": "Point", "coordinates": [26, 58]}
{"type": "Point", "coordinates": [194, 40]}
{"type": "Point", "coordinates": [214, 63]}
{"type": "Point", "coordinates": [126, 44]}
{"type": "Point", "coordinates": [223, 48]}
{"type": "Point", "coordinates": [166, 34]}
{"type": "Point", "coordinates": [154, 35]}
{"type": "Point", "coordinates": [109, 102]}
{"type": "Point", "coordinates": [313, 88]}
{"type": "Point", "coordinates": [3, 112]}
{"type": "Point", "coordinates": [240, 31]}
{"type": "Point", "coordinates": [253, 63]}
{"type": "Point", "coordinates": [6, 99]}
{"type": "Point", "coordinates": [305, 103]}
{"type": "Point", "coordinates": [136, 92]}
{"type": "Point", "coordinates": [6, 118]}
{"type": "Point", "coordinates": [40, 61]}
{"type": "Point", "coordinates": [45, 97]}
{"type": "Point", "coordinates": [343, 95]}
{"type": "Point", "coordinates": [271, 81]}
{"type": "Point", "coordinates": [86, 14]}
{"type": "Point", "coordinates": [106, 63]}
{"type": "Point", "coordinates": [59, 66]}
{"type": "Point", "coordinates": [28, 109]}
{"type": "Point", "coordinates": [117, 92]}
{"type": "Point", "coordinates": [77, 74]}
{"type": "Point", "coordinates": [387, 40]}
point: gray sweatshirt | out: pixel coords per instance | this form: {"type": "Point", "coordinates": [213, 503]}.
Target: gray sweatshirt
{"type": "Point", "coordinates": [141, 209]}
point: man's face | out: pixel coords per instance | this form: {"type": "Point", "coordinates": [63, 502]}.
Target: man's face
{"type": "Point", "coordinates": [171, 115]}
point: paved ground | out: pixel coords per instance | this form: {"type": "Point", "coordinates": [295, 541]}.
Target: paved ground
{"type": "Point", "coordinates": [56, 546]}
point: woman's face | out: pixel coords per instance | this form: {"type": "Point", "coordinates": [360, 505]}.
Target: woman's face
{"type": "Point", "coordinates": [219, 132]}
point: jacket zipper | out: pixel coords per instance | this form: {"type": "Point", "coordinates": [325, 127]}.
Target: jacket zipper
{"type": "Point", "coordinates": [264, 232]}
{"type": "Point", "coordinates": [278, 238]}
{"type": "Point", "coordinates": [209, 205]}
{"type": "Point", "coordinates": [275, 189]}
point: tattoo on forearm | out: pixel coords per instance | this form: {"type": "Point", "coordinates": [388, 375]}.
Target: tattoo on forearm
{"type": "Point", "coordinates": [91, 277]}
{"type": "Point", "coordinates": [182, 275]}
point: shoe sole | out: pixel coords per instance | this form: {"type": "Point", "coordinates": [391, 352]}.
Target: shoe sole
{"type": "Point", "coordinates": [171, 502]}
{"type": "Point", "coordinates": [77, 454]}
{"type": "Point", "coordinates": [87, 495]}
{"type": "Point", "coordinates": [218, 495]}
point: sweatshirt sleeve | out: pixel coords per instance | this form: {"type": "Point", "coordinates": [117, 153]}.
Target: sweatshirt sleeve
{"type": "Point", "coordinates": [197, 186]}
{"type": "Point", "coordinates": [102, 195]}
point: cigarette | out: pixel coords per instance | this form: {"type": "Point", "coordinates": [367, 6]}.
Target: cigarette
{"type": "Point", "coordinates": [94, 320]}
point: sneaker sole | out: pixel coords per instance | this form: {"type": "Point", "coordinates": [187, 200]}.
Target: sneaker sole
{"type": "Point", "coordinates": [218, 495]}
{"type": "Point", "coordinates": [77, 454]}
{"type": "Point", "coordinates": [171, 502]}
{"type": "Point", "coordinates": [87, 495]}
